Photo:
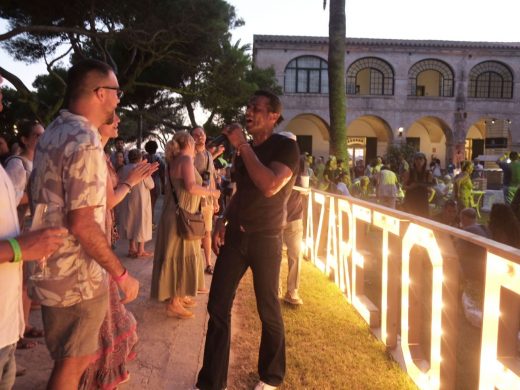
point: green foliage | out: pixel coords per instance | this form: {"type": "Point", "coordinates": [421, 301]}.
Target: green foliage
{"type": "Point", "coordinates": [14, 110]}
{"type": "Point", "coordinates": [50, 90]}
{"type": "Point", "coordinates": [170, 55]}
{"type": "Point", "coordinates": [394, 150]}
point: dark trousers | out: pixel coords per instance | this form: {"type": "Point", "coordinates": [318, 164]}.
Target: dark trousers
{"type": "Point", "coordinates": [262, 252]}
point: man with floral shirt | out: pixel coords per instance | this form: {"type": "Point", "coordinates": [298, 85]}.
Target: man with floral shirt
{"type": "Point", "coordinates": [70, 172]}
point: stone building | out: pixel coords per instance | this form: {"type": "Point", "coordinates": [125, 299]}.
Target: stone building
{"type": "Point", "coordinates": [448, 99]}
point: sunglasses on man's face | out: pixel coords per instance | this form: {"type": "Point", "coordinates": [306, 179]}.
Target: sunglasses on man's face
{"type": "Point", "coordinates": [119, 92]}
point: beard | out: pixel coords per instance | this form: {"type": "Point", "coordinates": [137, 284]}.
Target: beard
{"type": "Point", "coordinates": [110, 118]}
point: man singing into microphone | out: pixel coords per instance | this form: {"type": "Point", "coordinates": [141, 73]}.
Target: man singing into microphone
{"type": "Point", "coordinates": [249, 235]}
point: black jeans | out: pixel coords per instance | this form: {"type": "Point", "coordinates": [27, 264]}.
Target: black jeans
{"type": "Point", "coordinates": [262, 252]}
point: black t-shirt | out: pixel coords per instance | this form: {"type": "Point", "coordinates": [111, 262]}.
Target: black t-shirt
{"type": "Point", "coordinates": [254, 211]}
{"type": "Point", "coordinates": [294, 206]}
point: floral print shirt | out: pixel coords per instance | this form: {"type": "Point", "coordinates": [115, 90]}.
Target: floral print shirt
{"type": "Point", "coordinates": [70, 171]}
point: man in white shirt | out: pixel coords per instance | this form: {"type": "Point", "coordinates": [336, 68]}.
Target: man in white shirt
{"type": "Point", "coordinates": [32, 245]}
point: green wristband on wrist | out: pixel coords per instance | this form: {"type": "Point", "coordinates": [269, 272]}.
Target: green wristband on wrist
{"type": "Point", "coordinates": [16, 250]}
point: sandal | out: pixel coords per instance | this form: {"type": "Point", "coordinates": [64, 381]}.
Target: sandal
{"type": "Point", "coordinates": [144, 254]}
{"type": "Point", "coordinates": [188, 303]}
{"type": "Point", "coordinates": [209, 270]}
{"type": "Point", "coordinates": [33, 333]}
{"type": "Point", "coordinates": [132, 255]}
{"type": "Point", "coordinates": [26, 344]}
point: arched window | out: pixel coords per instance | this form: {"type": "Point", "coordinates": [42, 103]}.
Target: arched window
{"type": "Point", "coordinates": [370, 76]}
{"type": "Point", "coordinates": [306, 74]}
{"type": "Point", "coordinates": [431, 78]}
{"type": "Point", "coordinates": [491, 80]}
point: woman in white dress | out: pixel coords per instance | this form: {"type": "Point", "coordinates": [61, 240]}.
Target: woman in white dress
{"type": "Point", "coordinates": [136, 214]}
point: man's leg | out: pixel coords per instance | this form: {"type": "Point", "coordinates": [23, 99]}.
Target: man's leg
{"type": "Point", "coordinates": [292, 235]}
{"type": "Point", "coordinates": [229, 269]}
{"type": "Point", "coordinates": [206, 247]}
{"type": "Point", "coordinates": [72, 337]}
{"type": "Point", "coordinates": [207, 212]}
{"type": "Point", "coordinates": [7, 367]}
{"type": "Point", "coordinates": [67, 372]}
{"type": "Point", "coordinates": [265, 254]}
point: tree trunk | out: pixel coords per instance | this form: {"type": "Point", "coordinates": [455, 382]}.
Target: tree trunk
{"type": "Point", "coordinates": [337, 88]}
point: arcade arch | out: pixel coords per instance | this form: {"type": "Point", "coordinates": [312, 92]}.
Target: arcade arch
{"type": "Point", "coordinates": [368, 137]}
{"type": "Point", "coordinates": [312, 134]}
{"type": "Point", "coordinates": [430, 135]}
{"type": "Point", "coordinates": [487, 136]}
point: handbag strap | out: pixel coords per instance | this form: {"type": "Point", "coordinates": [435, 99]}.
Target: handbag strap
{"type": "Point", "coordinates": [173, 189]}
{"type": "Point", "coordinates": [175, 193]}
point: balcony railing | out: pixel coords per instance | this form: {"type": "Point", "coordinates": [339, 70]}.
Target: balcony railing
{"type": "Point", "coordinates": [403, 275]}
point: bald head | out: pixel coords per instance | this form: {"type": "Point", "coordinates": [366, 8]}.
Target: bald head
{"type": "Point", "coordinates": [468, 217]}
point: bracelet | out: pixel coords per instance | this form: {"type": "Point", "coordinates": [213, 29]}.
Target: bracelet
{"type": "Point", "coordinates": [223, 219]}
{"type": "Point", "coordinates": [17, 251]}
{"type": "Point", "coordinates": [128, 185]}
{"type": "Point", "coordinates": [121, 277]}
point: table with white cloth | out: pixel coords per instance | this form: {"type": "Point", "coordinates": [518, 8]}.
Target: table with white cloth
{"type": "Point", "coordinates": [491, 197]}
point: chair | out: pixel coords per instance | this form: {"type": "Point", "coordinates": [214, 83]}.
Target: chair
{"type": "Point", "coordinates": [476, 200]}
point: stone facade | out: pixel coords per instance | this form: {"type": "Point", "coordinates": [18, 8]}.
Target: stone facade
{"type": "Point", "coordinates": [439, 93]}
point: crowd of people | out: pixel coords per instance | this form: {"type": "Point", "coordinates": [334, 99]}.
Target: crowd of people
{"type": "Point", "coordinates": [446, 196]}
{"type": "Point", "coordinates": [67, 198]}
{"type": "Point", "coordinates": [413, 185]}
{"type": "Point", "coordinates": [249, 208]}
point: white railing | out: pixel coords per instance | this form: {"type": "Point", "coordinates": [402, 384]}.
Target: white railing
{"type": "Point", "coordinates": [339, 240]}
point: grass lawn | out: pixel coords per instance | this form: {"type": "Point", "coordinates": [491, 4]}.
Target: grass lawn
{"type": "Point", "coordinates": [328, 345]}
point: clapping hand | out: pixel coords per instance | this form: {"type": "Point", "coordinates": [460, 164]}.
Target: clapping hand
{"type": "Point", "coordinates": [141, 171]}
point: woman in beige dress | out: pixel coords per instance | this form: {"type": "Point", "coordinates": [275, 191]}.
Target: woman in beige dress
{"type": "Point", "coordinates": [178, 269]}
{"type": "Point", "coordinates": [136, 211]}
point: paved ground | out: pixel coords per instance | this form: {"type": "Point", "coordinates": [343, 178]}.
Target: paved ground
{"type": "Point", "coordinates": [169, 351]}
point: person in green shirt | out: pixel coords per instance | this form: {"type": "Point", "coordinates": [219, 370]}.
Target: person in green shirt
{"type": "Point", "coordinates": [464, 186]}
{"type": "Point", "coordinates": [515, 176]}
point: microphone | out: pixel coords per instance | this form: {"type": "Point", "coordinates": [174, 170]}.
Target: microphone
{"type": "Point", "coordinates": [217, 141]}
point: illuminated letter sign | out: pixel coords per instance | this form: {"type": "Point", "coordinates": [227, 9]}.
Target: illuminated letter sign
{"type": "Point", "coordinates": [320, 199]}
{"type": "Point", "coordinates": [392, 225]}
{"type": "Point", "coordinates": [494, 373]}
{"type": "Point", "coordinates": [430, 378]}
{"type": "Point", "coordinates": [363, 305]}
{"type": "Point", "coordinates": [345, 248]}
{"type": "Point", "coordinates": [332, 263]}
